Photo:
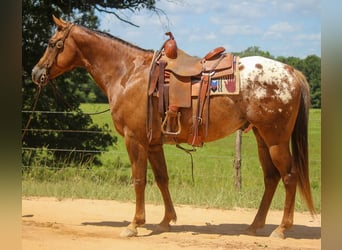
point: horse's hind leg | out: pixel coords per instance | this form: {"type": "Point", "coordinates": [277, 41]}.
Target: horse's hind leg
{"type": "Point", "coordinates": [271, 180]}
{"type": "Point", "coordinates": [277, 163]}
{"type": "Point", "coordinates": [138, 158]}
{"type": "Point", "coordinates": [158, 164]}
{"type": "Point", "coordinates": [282, 159]}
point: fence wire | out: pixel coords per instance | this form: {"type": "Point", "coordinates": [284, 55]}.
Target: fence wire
{"type": "Point", "coordinates": [114, 152]}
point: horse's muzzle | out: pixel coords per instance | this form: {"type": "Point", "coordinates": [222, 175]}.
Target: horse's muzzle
{"type": "Point", "coordinates": [40, 75]}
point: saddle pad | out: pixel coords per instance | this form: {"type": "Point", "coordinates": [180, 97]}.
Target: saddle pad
{"type": "Point", "coordinates": [226, 85]}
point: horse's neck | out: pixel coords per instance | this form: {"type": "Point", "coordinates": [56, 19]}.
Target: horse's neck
{"type": "Point", "coordinates": [108, 60]}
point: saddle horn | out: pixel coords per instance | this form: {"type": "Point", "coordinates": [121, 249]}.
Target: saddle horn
{"type": "Point", "coordinates": [170, 46]}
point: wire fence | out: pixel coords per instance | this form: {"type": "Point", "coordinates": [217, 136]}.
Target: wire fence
{"type": "Point", "coordinates": [114, 152]}
{"type": "Point", "coordinates": [213, 169]}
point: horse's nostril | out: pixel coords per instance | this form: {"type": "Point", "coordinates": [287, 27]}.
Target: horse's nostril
{"type": "Point", "coordinates": [43, 79]}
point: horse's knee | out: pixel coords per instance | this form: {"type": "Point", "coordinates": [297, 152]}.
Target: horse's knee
{"type": "Point", "coordinates": [138, 183]}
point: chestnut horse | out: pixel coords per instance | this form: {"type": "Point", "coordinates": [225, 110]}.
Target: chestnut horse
{"type": "Point", "coordinates": [274, 99]}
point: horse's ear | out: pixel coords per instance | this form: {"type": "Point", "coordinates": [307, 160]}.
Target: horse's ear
{"type": "Point", "coordinates": [59, 22]}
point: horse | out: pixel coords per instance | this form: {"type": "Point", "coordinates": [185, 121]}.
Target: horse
{"type": "Point", "coordinates": [274, 101]}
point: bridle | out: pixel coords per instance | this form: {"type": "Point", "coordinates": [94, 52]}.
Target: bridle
{"type": "Point", "coordinates": [57, 47]}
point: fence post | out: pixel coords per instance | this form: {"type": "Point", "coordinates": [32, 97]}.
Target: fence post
{"type": "Point", "coordinates": [237, 160]}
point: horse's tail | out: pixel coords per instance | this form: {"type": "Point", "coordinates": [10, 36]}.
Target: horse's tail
{"type": "Point", "coordinates": [299, 142]}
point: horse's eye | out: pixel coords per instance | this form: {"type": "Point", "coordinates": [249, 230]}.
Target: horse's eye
{"type": "Point", "coordinates": [59, 44]}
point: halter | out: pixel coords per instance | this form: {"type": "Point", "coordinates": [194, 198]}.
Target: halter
{"type": "Point", "coordinates": [57, 47]}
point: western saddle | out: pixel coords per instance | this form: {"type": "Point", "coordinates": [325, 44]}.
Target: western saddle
{"type": "Point", "coordinates": [173, 77]}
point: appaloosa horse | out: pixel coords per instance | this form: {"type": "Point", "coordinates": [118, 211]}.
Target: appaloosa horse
{"type": "Point", "coordinates": [274, 99]}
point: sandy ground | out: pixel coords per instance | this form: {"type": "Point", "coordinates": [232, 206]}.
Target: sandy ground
{"type": "Point", "coordinates": [48, 223]}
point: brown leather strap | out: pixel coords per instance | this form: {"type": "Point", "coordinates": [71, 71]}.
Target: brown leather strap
{"type": "Point", "coordinates": [204, 87]}
{"type": "Point", "coordinates": [166, 96]}
{"type": "Point", "coordinates": [161, 107]}
{"type": "Point", "coordinates": [149, 119]}
{"type": "Point", "coordinates": [203, 93]}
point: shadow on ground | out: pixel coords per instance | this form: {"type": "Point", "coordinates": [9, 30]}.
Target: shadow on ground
{"type": "Point", "coordinates": [296, 232]}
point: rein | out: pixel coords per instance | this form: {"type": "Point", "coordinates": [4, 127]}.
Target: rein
{"type": "Point", "coordinates": [39, 88]}
{"type": "Point", "coordinates": [189, 151]}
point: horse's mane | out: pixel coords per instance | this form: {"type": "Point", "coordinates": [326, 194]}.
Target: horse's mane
{"type": "Point", "coordinates": [105, 34]}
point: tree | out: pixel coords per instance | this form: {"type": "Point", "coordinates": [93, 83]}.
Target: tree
{"type": "Point", "coordinates": [312, 70]}
{"type": "Point", "coordinates": [62, 94]}
{"type": "Point", "coordinates": [254, 51]}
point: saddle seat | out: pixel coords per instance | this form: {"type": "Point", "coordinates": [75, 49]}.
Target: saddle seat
{"type": "Point", "coordinates": [187, 65]}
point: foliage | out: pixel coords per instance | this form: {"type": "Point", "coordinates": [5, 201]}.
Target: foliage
{"type": "Point", "coordinates": [254, 51]}
{"type": "Point", "coordinates": [67, 91]}
{"type": "Point", "coordinates": [312, 70]}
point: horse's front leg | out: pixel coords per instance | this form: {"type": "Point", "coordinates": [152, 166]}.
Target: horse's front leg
{"type": "Point", "coordinates": [138, 158]}
{"type": "Point", "coordinates": [158, 164]}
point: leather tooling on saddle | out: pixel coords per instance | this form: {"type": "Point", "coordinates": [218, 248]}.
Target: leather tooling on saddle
{"type": "Point", "coordinates": [183, 81]}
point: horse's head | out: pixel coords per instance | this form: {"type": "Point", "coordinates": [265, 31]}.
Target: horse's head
{"type": "Point", "coordinates": [58, 56]}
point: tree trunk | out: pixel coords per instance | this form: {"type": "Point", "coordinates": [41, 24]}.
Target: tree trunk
{"type": "Point", "coordinates": [237, 160]}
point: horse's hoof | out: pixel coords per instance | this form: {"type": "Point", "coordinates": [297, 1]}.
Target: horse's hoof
{"type": "Point", "coordinates": [128, 232]}
{"type": "Point", "coordinates": [276, 234]}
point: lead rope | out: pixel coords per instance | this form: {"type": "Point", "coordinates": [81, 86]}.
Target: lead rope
{"type": "Point", "coordinates": [39, 88]}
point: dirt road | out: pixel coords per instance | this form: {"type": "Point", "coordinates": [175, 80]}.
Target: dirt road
{"type": "Point", "coordinates": [48, 223]}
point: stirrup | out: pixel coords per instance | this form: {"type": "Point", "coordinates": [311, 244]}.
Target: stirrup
{"type": "Point", "coordinates": [165, 124]}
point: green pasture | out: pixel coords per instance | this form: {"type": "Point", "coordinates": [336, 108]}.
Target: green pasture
{"type": "Point", "coordinates": [213, 184]}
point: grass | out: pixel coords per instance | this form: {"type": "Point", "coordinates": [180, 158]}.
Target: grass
{"type": "Point", "coordinates": [213, 173]}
